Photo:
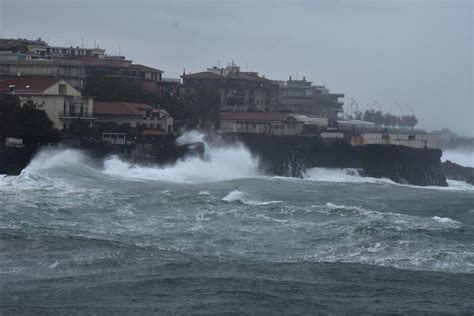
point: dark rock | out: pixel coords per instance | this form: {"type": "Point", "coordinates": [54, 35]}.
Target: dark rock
{"type": "Point", "coordinates": [13, 160]}
{"type": "Point", "coordinates": [454, 171]}
{"type": "Point", "coordinates": [398, 163]}
{"type": "Point", "coordinates": [404, 164]}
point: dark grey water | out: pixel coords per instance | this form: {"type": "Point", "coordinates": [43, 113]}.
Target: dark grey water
{"type": "Point", "coordinates": [216, 237]}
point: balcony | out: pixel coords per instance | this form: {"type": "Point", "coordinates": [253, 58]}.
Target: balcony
{"type": "Point", "coordinates": [76, 115]}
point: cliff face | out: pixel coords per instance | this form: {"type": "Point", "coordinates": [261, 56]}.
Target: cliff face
{"type": "Point", "coordinates": [404, 164]}
{"type": "Point", "coordinates": [287, 155]}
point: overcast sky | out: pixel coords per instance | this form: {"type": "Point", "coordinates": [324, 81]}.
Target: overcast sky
{"type": "Point", "coordinates": [418, 53]}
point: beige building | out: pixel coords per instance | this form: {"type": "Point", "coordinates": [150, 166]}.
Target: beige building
{"type": "Point", "coordinates": [61, 102]}
{"type": "Point", "coordinates": [270, 123]}
{"type": "Point", "coordinates": [134, 115]}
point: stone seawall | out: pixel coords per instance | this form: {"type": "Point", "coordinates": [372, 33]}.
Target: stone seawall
{"type": "Point", "coordinates": [279, 155]}
{"type": "Point", "coordinates": [290, 155]}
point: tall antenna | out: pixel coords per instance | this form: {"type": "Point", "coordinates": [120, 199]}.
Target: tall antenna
{"type": "Point", "coordinates": [119, 49]}
{"type": "Point", "coordinates": [82, 42]}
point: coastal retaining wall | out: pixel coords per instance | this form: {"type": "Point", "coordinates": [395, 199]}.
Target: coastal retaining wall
{"type": "Point", "coordinates": [418, 166]}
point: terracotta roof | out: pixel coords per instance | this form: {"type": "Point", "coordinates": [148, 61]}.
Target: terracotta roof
{"type": "Point", "coordinates": [120, 108]}
{"type": "Point", "coordinates": [231, 75]}
{"type": "Point", "coordinates": [254, 116]}
{"type": "Point", "coordinates": [29, 83]}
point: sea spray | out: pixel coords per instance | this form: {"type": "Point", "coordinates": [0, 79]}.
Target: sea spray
{"type": "Point", "coordinates": [221, 162]}
{"type": "Point", "coordinates": [52, 158]}
{"type": "Point", "coordinates": [242, 197]}
{"type": "Point", "coordinates": [463, 157]}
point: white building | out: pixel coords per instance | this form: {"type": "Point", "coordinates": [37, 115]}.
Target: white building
{"type": "Point", "coordinates": [61, 102]}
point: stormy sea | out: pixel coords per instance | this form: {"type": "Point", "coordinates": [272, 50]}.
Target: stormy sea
{"type": "Point", "coordinates": [215, 235]}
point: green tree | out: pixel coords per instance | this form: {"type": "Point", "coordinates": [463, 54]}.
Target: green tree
{"type": "Point", "coordinates": [25, 122]}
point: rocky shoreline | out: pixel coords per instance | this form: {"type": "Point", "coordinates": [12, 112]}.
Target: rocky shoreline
{"type": "Point", "coordinates": [457, 172]}
{"type": "Point", "coordinates": [278, 155]}
{"type": "Point", "coordinates": [286, 155]}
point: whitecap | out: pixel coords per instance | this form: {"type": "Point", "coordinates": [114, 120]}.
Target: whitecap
{"type": "Point", "coordinates": [445, 220]}
{"type": "Point", "coordinates": [241, 197]}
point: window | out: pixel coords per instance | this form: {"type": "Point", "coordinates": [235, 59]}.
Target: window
{"type": "Point", "coordinates": [62, 89]}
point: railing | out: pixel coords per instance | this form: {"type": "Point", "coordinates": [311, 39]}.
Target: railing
{"type": "Point", "coordinates": [76, 115]}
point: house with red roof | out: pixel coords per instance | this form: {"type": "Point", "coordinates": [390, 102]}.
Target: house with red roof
{"type": "Point", "coordinates": [134, 115]}
{"type": "Point", "coordinates": [61, 102]}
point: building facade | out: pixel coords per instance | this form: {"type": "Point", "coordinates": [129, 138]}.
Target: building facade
{"type": "Point", "coordinates": [237, 90]}
{"type": "Point", "coordinates": [134, 115]}
{"type": "Point", "coordinates": [269, 123]}
{"type": "Point", "coordinates": [72, 64]}
{"type": "Point", "coordinates": [30, 49]}
{"type": "Point", "coordinates": [73, 72]}
{"type": "Point", "coordinates": [301, 96]}
{"type": "Point", "coordinates": [61, 102]}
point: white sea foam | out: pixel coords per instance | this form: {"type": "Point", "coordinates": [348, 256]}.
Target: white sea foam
{"type": "Point", "coordinates": [352, 176]}
{"type": "Point", "coordinates": [51, 158]}
{"type": "Point", "coordinates": [192, 136]}
{"type": "Point", "coordinates": [222, 162]}
{"type": "Point", "coordinates": [241, 197]}
{"type": "Point", "coordinates": [445, 220]}
{"type": "Point", "coordinates": [397, 221]}
{"type": "Point", "coordinates": [348, 175]}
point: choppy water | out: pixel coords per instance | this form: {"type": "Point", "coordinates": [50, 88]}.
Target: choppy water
{"type": "Point", "coordinates": [215, 236]}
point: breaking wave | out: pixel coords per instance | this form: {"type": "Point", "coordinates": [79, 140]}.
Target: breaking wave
{"type": "Point", "coordinates": [54, 158]}
{"type": "Point", "coordinates": [241, 197]}
{"type": "Point", "coordinates": [349, 175]}
{"type": "Point", "coordinates": [341, 175]}
{"type": "Point", "coordinates": [221, 162]}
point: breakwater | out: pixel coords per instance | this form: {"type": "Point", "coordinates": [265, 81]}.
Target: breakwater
{"type": "Point", "coordinates": [290, 155]}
